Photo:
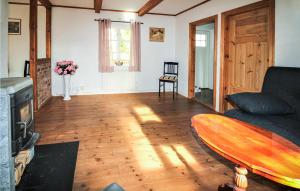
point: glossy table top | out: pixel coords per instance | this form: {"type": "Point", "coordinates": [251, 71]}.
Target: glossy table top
{"type": "Point", "coordinates": [260, 151]}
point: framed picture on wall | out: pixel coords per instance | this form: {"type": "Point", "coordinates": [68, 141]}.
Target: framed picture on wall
{"type": "Point", "coordinates": [157, 34]}
{"type": "Point", "coordinates": [14, 26]}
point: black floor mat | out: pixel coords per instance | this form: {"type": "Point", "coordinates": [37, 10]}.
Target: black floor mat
{"type": "Point", "coordinates": [52, 168]}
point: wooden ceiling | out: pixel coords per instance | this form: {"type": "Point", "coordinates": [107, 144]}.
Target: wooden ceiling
{"type": "Point", "coordinates": [141, 7]}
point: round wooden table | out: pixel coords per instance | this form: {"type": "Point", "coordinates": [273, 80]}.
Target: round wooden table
{"type": "Point", "coordinates": [256, 149]}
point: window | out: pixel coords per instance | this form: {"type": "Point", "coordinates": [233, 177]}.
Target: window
{"type": "Point", "coordinates": [201, 40]}
{"type": "Point", "coordinates": [120, 44]}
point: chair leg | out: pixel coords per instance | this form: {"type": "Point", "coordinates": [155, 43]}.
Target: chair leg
{"type": "Point", "coordinates": [164, 87]}
{"type": "Point", "coordinates": [159, 88]}
{"type": "Point", "coordinates": [173, 90]}
{"type": "Point", "coordinates": [177, 87]}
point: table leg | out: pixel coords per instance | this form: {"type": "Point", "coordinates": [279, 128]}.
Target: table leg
{"type": "Point", "coordinates": [240, 179]}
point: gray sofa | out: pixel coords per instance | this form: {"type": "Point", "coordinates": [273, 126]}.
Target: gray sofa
{"type": "Point", "coordinates": [284, 83]}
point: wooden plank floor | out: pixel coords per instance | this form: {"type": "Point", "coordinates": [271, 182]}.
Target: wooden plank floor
{"type": "Point", "coordinates": [139, 141]}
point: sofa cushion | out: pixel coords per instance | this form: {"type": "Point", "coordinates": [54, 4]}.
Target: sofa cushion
{"type": "Point", "coordinates": [260, 103]}
{"type": "Point", "coordinates": [283, 82]}
{"type": "Point", "coordinates": [284, 126]}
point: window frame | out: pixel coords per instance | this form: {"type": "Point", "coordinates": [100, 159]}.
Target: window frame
{"type": "Point", "coordinates": [202, 41]}
{"type": "Point", "coordinates": [118, 40]}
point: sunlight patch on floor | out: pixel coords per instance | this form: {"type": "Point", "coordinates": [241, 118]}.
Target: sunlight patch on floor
{"type": "Point", "coordinates": [185, 154]}
{"type": "Point", "coordinates": [171, 155]}
{"type": "Point", "coordinates": [146, 114]}
{"type": "Point", "coordinates": [178, 155]}
{"type": "Point", "coordinates": [144, 152]}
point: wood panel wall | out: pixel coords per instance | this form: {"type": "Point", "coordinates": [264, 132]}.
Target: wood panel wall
{"type": "Point", "coordinates": [224, 54]}
{"type": "Point", "coordinates": [43, 81]}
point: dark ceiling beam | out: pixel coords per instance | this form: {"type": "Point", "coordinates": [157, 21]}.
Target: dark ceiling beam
{"type": "Point", "coordinates": [148, 6]}
{"type": "Point", "coordinates": [46, 3]}
{"type": "Point", "coordinates": [97, 5]}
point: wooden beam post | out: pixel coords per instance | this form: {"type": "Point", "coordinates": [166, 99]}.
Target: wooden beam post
{"type": "Point", "coordinates": [48, 31]}
{"type": "Point", "coordinates": [148, 6]}
{"type": "Point", "coordinates": [97, 5]}
{"type": "Point", "coordinates": [33, 47]}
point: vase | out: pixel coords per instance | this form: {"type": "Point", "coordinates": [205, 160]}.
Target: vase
{"type": "Point", "coordinates": [67, 87]}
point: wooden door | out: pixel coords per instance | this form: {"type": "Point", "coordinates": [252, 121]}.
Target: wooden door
{"type": "Point", "coordinates": [249, 51]}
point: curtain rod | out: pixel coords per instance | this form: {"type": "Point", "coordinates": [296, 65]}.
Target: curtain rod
{"type": "Point", "coordinates": [117, 21]}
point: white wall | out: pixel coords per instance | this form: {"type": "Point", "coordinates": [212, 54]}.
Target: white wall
{"type": "Point", "coordinates": [75, 37]}
{"type": "Point", "coordinates": [18, 45]}
{"type": "Point", "coordinates": [211, 59]}
{"type": "Point", "coordinates": [287, 34]}
{"type": "Point", "coordinates": [3, 39]}
{"type": "Point", "coordinates": [41, 32]}
{"type": "Point", "coordinates": [204, 64]}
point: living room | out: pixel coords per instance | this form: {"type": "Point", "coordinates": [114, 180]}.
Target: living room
{"type": "Point", "coordinates": [113, 87]}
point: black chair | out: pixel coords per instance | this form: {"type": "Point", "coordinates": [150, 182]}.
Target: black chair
{"type": "Point", "coordinates": [170, 76]}
{"type": "Point", "coordinates": [27, 68]}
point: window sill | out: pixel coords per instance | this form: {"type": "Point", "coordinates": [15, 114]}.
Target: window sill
{"type": "Point", "coordinates": [124, 68]}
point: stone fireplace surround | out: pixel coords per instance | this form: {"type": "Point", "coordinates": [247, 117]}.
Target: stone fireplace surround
{"type": "Point", "coordinates": [7, 169]}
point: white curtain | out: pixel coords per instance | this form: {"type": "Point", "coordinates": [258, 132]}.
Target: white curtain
{"type": "Point", "coordinates": [135, 47]}
{"type": "Point", "coordinates": [104, 46]}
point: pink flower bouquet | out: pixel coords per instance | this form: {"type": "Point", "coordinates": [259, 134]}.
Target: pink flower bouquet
{"type": "Point", "coordinates": [65, 67]}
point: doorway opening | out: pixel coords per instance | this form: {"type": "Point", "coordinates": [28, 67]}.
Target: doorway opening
{"type": "Point", "coordinates": [202, 66]}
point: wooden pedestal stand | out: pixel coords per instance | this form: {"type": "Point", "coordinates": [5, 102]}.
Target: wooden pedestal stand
{"type": "Point", "coordinates": [240, 180]}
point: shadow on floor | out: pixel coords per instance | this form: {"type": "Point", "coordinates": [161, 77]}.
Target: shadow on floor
{"type": "Point", "coordinates": [205, 96]}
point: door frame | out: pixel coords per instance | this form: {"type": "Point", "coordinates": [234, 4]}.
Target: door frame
{"type": "Point", "coordinates": [224, 54]}
{"type": "Point", "coordinates": [192, 54]}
